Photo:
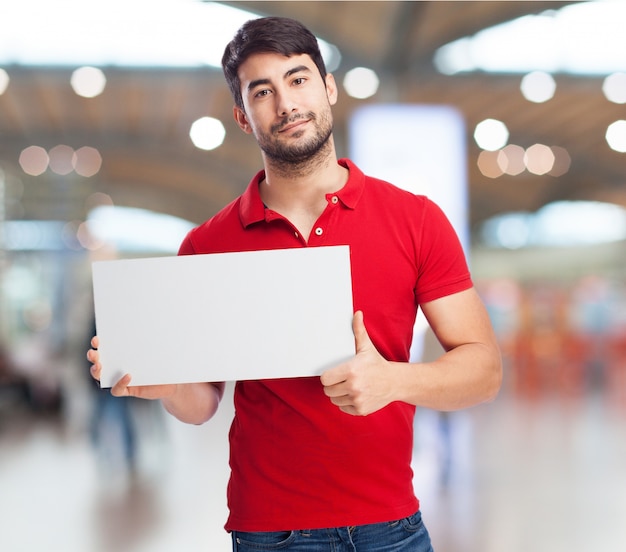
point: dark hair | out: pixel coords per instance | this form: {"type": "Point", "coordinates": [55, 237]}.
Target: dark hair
{"type": "Point", "coordinates": [279, 35]}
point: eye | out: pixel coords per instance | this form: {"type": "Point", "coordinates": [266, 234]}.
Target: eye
{"type": "Point", "coordinates": [299, 80]}
{"type": "Point", "coordinates": [262, 93]}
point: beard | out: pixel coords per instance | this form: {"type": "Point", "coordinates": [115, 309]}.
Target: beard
{"type": "Point", "coordinates": [289, 156]}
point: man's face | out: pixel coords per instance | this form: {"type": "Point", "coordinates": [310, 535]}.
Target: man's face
{"type": "Point", "coordinates": [287, 106]}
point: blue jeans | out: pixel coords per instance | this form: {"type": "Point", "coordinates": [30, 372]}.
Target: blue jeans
{"type": "Point", "coordinates": [405, 535]}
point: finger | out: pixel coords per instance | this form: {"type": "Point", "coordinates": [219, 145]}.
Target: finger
{"type": "Point", "coordinates": [335, 391]}
{"type": "Point", "coordinates": [349, 409]}
{"type": "Point", "coordinates": [361, 337]}
{"type": "Point", "coordinates": [346, 406]}
{"type": "Point", "coordinates": [120, 389]}
{"type": "Point", "coordinates": [342, 401]}
{"type": "Point", "coordinates": [95, 371]}
{"type": "Point", "coordinates": [95, 342]}
{"type": "Point", "coordinates": [333, 376]}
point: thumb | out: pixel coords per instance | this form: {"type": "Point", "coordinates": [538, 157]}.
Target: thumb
{"type": "Point", "coordinates": [361, 337]}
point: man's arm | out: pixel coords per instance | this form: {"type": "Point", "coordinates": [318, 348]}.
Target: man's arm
{"type": "Point", "coordinates": [468, 373]}
{"type": "Point", "coordinates": [192, 403]}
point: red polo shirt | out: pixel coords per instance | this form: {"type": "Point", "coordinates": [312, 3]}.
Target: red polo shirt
{"type": "Point", "coordinates": [297, 461]}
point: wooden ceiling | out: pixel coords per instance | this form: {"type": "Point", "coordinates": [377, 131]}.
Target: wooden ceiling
{"type": "Point", "coordinates": [140, 123]}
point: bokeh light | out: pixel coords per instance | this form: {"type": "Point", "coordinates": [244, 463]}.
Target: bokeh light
{"type": "Point", "coordinates": [616, 136]}
{"type": "Point", "coordinates": [562, 161]}
{"type": "Point", "coordinates": [539, 159]}
{"type": "Point", "coordinates": [491, 134]}
{"type": "Point", "coordinates": [538, 86]}
{"type": "Point", "coordinates": [488, 164]}
{"type": "Point", "coordinates": [614, 88]}
{"type": "Point", "coordinates": [61, 157]}
{"type": "Point", "coordinates": [207, 133]}
{"type": "Point", "coordinates": [87, 238]}
{"type": "Point", "coordinates": [86, 161]}
{"type": "Point", "coordinates": [34, 160]}
{"type": "Point", "coordinates": [560, 223]}
{"type": "Point", "coordinates": [88, 82]}
{"type": "Point", "coordinates": [4, 80]}
{"type": "Point", "coordinates": [361, 82]}
{"type": "Point", "coordinates": [511, 159]}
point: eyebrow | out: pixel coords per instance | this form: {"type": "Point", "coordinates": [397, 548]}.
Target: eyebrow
{"type": "Point", "coordinates": [260, 82]}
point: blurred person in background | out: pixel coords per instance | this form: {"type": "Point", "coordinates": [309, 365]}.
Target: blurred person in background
{"type": "Point", "coordinates": [112, 429]}
{"type": "Point", "coordinates": [324, 463]}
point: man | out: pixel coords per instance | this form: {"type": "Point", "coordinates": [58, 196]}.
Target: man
{"type": "Point", "coordinates": [324, 463]}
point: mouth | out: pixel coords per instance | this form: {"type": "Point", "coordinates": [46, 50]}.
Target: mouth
{"type": "Point", "coordinates": [293, 125]}
{"type": "Point", "coordinates": [290, 123]}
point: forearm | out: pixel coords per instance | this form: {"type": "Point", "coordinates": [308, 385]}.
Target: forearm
{"type": "Point", "coordinates": [465, 376]}
{"type": "Point", "coordinates": [194, 403]}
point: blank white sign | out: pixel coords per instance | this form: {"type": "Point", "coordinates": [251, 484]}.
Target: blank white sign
{"type": "Point", "coordinates": [224, 317]}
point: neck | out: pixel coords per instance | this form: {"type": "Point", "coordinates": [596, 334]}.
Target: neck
{"type": "Point", "coordinates": [288, 185]}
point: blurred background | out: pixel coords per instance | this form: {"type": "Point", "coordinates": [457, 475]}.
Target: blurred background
{"type": "Point", "coordinates": [116, 137]}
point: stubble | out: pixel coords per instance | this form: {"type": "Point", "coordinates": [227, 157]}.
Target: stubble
{"type": "Point", "coordinates": [302, 156]}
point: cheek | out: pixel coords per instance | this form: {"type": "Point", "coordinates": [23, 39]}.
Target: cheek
{"type": "Point", "coordinates": [247, 124]}
{"type": "Point", "coordinates": [254, 121]}
{"type": "Point", "coordinates": [254, 128]}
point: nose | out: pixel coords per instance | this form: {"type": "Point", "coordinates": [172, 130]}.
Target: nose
{"type": "Point", "coordinates": [286, 104]}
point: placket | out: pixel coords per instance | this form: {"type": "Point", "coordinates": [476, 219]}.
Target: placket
{"type": "Point", "coordinates": [320, 229]}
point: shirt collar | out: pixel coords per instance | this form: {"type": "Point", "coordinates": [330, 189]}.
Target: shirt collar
{"type": "Point", "coordinates": [252, 210]}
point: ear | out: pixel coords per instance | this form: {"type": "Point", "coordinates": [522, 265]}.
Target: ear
{"type": "Point", "coordinates": [331, 89]}
{"type": "Point", "coordinates": [242, 119]}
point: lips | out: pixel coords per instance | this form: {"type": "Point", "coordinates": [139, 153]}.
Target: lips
{"type": "Point", "coordinates": [293, 125]}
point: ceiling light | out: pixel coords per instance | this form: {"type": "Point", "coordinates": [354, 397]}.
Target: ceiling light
{"type": "Point", "coordinates": [4, 80]}
{"type": "Point", "coordinates": [161, 33]}
{"type": "Point", "coordinates": [88, 82]}
{"type": "Point", "coordinates": [614, 88]}
{"type": "Point", "coordinates": [488, 164]}
{"type": "Point", "coordinates": [491, 134]}
{"type": "Point", "coordinates": [87, 161]}
{"type": "Point", "coordinates": [579, 38]}
{"type": "Point", "coordinates": [562, 161]}
{"type": "Point", "coordinates": [539, 159]}
{"type": "Point", "coordinates": [511, 159]}
{"type": "Point", "coordinates": [361, 82]}
{"type": "Point", "coordinates": [34, 160]}
{"type": "Point", "coordinates": [61, 159]}
{"type": "Point", "coordinates": [616, 136]}
{"type": "Point", "coordinates": [538, 86]}
{"type": "Point", "coordinates": [207, 133]}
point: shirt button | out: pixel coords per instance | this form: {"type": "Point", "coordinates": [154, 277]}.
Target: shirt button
{"type": "Point", "coordinates": [318, 231]}
{"type": "Point", "coordinates": [334, 199]}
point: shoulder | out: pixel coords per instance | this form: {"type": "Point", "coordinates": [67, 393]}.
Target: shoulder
{"type": "Point", "coordinates": [379, 186]}
{"type": "Point", "coordinates": [206, 237]}
{"type": "Point", "coordinates": [394, 197]}
{"type": "Point", "coordinates": [377, 189]}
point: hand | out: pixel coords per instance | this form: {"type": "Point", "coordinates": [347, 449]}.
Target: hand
{"type": "Point", "coordinates": [363, 384]}
{"type": "Point", "coordinates": [123, 388]}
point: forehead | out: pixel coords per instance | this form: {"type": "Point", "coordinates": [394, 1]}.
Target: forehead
{"type": "Point", "coordinates": [269, 66]}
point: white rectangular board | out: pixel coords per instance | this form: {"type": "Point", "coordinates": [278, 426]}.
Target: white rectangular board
{"type": "Point", "coordinates": [224, 317]}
